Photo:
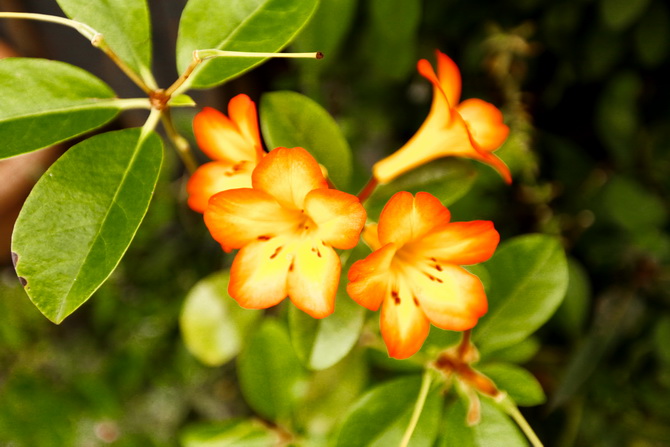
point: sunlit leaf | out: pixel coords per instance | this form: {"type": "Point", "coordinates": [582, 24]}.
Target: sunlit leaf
{"type": "Point", "coordinates": [529, 276]}
{"type": "Point", "coordinates": [250, 25]}
{"type": "Point", "coordinates": [124, 24]}
{"type": "Point", "coordinates": [270, 374]}
{"type": "Point", "coordinates": [213, 325]}
{"type": "Point", "coordinates": [289, 119]}
{"type": "Point", "coordinates": [448, 179]}
{"type": "Point", "coordinates": [45, 102]}
{"type": "Point", "coordinates": [81, 216]}
{"type": "Point", "coordinates": [237, 432]}
{"type": "Point", "coordinates": [381, 416]}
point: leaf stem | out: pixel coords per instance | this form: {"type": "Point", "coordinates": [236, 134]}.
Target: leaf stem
{"type": "Point", "coordinates": [213, 53]}
{"type": "Point", "coordinates": [181, 143]}
{"type": "Point", "coordinates": [418, 407]}
{"type": "Point", "coordinates": [509, 406]}
{"type": "Point", "coordinates": [150, 123]}
{"type": "Point", "coordinates": [99, 42]}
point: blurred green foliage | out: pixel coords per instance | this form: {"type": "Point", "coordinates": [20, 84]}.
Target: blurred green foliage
{"type": "Point", "coordinates": [583, 84]}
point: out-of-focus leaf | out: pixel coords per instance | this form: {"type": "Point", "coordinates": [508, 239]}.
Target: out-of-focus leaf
{"type": "Point", "coordinates": [124, 24]}
{"type": "Point", "coordinates": [572, 313]}
{"type": "Point", "coordinates": [237, 432]}
{"type": "Point", "coordinates": [393, 29]}
{"type": "Point", "coordinates": [289, 119]}
{"type": "Point", "coordinates": [81, 216]}
{"type": "Point", "coordinates": [271, 377]}
{"type": "Point", "coordinates": [494, 429]}
{"type": "Point", "coordinates": [520, 384]}
{"type": "Point", "coordinates": [331, 392]}
{"type": "Point", "coordinates": [45, 102]}
{"type": "Point", "coordinates": [602, 49]}
{"type": "Point", "coordinates": [661, 337]}
{"type": "Point", "coordinates": [652, 35]}
{"type": "Point", "coordinates": [322, 343]}
{"type": "Point", "coordinates": [230, 25]}
{"type": "Point", "coordinates": [529, 277]}
{"type": "Point", "coordinates": [633, 207]}
{"type": "Point", "coordinates": [619, 14]}
{"type": "Point", "coordinates": [213, 325]}
{"type": "Point", "coordinates": [521, 352]}
{"type": "Point", "coordinates": [381, 416]}
{"type": "Point", "coordinates": [617, 116]}
{"type": "Point", "coordinates": [448, 179]}
{"type": "Point", "coordinates": [325, 31]}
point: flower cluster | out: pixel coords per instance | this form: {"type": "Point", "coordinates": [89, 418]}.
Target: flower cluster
{"type": "Point", "coordinates": [279, 212]}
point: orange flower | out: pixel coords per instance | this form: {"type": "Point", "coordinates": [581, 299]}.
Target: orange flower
{"type": "Point", "coordinates": [286, 228]}
{"type": "Point", "coordinates": [471, 129]}
{"type": "Point", "coordinates": [415, 274]}
{"type": "Point", "coordinates": [233, 143]}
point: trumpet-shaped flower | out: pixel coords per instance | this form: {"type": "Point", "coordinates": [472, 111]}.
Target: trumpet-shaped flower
{"type": "Point", "coordinates": [471, 129]}
{"type": "Point", "coordinates": [415, 272]}
{"type": "Point", "coordinates": [286, 227]}
{"type": "Point", "coordinates": [233, 142]}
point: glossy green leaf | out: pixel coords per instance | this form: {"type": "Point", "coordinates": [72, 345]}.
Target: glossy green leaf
{"type": "Point", "coordinates": [237, 432]}
{"type": "Point", "coordinates": [270, 374]}
{"type": "Point", "coordinates": [45, 102]}
{"type": "Point", "coordinates": [619, 14]}
{"type": "Point", "coordinates": [381, 416]}
{"type": "Point", "coordinates": [520, 384]}
{"type": "Point", "coordinates": [250, 25]}
{"type": "Point", "coordinates": [124, 24]}
{"type": "Point", "coordinates": [529, 277]}
{"type": "Point", "coordinates": [81, 216]}
{"type": "Point", "coordinates": [494, 429]}
{"type": "Point", "coordinates": [289, 119]}
{"type": "Point", "coordinates": [213, 325]}
{"type": "Point", "coordinates": [448, 179]}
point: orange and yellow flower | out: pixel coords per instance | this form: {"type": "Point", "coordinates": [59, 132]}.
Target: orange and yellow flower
{"type": "Point", "coordinates": [415, 272]}
{"type": "Point", "coordinates": [233, 142]}
{"type": "Point", "coordinates": [471, 129]}
{"type": "Point", "coordinates": [286, 227]}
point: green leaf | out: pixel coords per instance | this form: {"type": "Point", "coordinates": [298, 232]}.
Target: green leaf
{"type": "Point", "coordinates": [382, 415]}
{"type": "Point", "coordinates": [661, 337]}
{"type": "Point", "coordinates": [632, 206]}
{"type": "Point", "coordinates": [529, 277]}
{"type": "Point", "coordinates": [520, 384]}
{"type": "Point", "coordinates": [573, 311]}
{"type": "Point", "coordinates": [448, 179]}
{"type": "Point", "coordinates": [324, 342]}
{"type": "Point", "coordinates": [270, 374]}
{"type": "Point", "coordinates": [619, 14]}
{"type": "Point", "coordinates": [652, 35]}
{"type": "Point", "coordinates": [213, 325]}
{"type": "Point", "coordinates": [45, 102]}
{"type": "Point", "coordinates": [250, 25]}
{"type": "Point", "coordinates": [494, 429]}
{"type": "Point", "coordinates": [520, 352]}
{"type": "Point", "coordinates": [238, 432]}
{"type": "Point", "coordinates": [289, 119]}
{"type": "Point", "coordinates": [124, 24]}
{"type": "Point", "coordinates": [81, 216]}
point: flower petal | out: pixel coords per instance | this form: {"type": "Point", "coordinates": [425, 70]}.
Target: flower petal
{"type": "Point", "coordinates": [403, 324]}
{"type": "Point", "coordinates": [222, 139]}
{"type": "Point", "coordinates": [370, 277]}
{"type": "Point", "coordinates": [240, 216]}
{"type": "Point", "coordinates": [258, 276]}
{"type": "Point", "coordinates": [485, 122]}
{"type": "Point", "coordinates": [461, 243]}
{"type": "Point", "coordinates": [216, 176]}
{"type": "Point", "coordinates": [451, 298]}
{"type": "Point", "coordinates": [449, 77]}
{"type": "Point", "coordinates": [288, 175]}
{"type": "Point", "coordinates": [313, 278]}
{"type": "Point", "coordinates": [242, 111]}
{"type": "Point", "coordinates": [339, 217]}
{"type": "Point", "coordinates": [406, 218]}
